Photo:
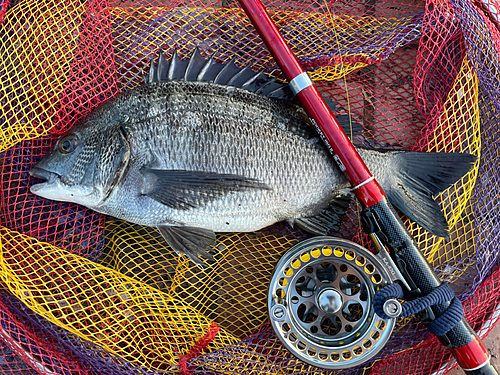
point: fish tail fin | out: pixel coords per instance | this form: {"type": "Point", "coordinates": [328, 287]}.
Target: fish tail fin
{"type": "Point", "coordinates": [414, 178]}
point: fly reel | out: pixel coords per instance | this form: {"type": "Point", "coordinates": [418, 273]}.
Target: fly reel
{"type": "Point", "coordinates": [320, 303]}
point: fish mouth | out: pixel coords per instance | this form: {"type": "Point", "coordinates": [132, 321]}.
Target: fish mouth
{"type": "Point", "coordinates": [42, 174]}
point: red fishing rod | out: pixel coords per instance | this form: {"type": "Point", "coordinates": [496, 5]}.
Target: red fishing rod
{"type": "Point", "coordinates": [380, 220]}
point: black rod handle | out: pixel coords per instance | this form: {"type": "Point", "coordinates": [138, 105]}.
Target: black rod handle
{"type": "Point", "coordinates": [462, 340]}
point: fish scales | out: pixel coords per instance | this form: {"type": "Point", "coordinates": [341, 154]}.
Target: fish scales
{"type": "Point", "coordinates": [203, 127]}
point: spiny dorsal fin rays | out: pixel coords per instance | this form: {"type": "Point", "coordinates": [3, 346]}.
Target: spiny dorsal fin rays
{"type": "Point", "coordinates": [257, 80]}
{"type": "Point", "coordinates": [197, 68]}
{"type": "Point", "coordinates": [195, 65]}
{"type": "Point", "coordinates": [212, 71]}
{"type": "Point", "coordinates": [268, 87]}
{"type": "Point", "coordinates": [280, 92]}
{"type": "Point", "coordinates": [177, 68]}
{"type": "Point", "coordinates": [241, 77]}
{"type": "Point", "coordinates": [227, 72]}
{"type": "Point", "coordinates": [152, 73]}
{"type": "Point", "coordinates": [208, 62]}
{"type": "Point", "coordinates": [163, 67]}
{"type": "Point", "coordinates": [171, 67]}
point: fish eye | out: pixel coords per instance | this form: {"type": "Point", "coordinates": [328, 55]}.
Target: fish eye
{"type": "Point", "coordinates": [68, 144]}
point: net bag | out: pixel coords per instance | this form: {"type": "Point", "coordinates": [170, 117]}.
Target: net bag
{"type": "Point", "coordinates": [82, 293]}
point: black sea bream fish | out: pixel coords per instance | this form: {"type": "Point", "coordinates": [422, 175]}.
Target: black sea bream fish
{"type": "Point", "coordinates": [204, 147]}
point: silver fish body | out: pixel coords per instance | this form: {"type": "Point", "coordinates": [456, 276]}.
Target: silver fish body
{"type": "Point", "coordinates": [195, 157]}
{"type": "Point", "coordinates": [210, 128]}
{"type": "Point", "coordinates": [207, 128]}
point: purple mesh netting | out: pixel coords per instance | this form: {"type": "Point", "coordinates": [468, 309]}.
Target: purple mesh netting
{"type": "Point", "coordinates": [68, 226]}
{"type": "Point", "coordinates": [227, 40]}
{"type": "Point", "coordinates": [87, 355]}
{"type": "Point", "coordinates": [264, 353]}
{"type": "Point", "coordinates": [444, 63]}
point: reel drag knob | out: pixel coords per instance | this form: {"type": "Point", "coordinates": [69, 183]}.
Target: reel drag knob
{"type": "Point", "coordinates": [330, 300]}
{"type": "Point", "coordinates": [320, 303]}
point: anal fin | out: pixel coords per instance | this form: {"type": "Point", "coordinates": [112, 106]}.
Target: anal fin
{"type": "Point", "coordinates": [193, 242]}
{"type": "Point", "coordinates": [330, 218]}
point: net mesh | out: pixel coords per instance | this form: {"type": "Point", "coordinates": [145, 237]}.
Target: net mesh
{"type": "Point", "coordinates": [83, 293]}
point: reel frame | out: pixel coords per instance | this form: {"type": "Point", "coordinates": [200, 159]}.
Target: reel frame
{"type": "Point", "coordinates": [320, 303]}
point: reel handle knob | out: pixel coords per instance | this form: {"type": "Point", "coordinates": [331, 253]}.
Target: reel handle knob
{"type": "Point", "coordinates": [392, 308]}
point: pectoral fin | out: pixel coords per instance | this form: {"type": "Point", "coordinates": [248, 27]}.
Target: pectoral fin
{"type": "Point", "coordinates": [183, 190]}
{"type": "Point", "coordinates": [190, 241]}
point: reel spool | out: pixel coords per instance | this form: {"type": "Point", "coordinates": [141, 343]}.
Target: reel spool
{"type": "Point", "coordinates": [320, 303]}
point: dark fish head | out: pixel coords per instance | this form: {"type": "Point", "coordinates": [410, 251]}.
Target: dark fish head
{"type": "Point", "coordinates": [83, 165]}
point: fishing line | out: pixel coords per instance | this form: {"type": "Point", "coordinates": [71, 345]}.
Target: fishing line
{"type": "Point", "coordinates": [345, 82]}
{"type": "Point", "coordinates": [341, 67]}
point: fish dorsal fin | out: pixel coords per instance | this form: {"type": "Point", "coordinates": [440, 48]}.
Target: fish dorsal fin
{"type": "Point", "coordinates": [177, 68]}
{"type": "Point", "coordinates": [199, 69]}
{"type": "Point", "coordinates": [162, 69]}
{"type": "Point", "coordinates": [196, 63]}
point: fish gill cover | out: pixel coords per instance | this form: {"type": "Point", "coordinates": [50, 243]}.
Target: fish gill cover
{"type": "Point", "coordinates": [85, 293]}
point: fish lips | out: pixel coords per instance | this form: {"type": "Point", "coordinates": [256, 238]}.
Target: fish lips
{"type": "Point", "coordinates": [55, 189]}
{"type": "Point", "coordinates": [51, 178]}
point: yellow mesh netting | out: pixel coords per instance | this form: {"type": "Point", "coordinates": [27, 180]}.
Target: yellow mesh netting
{"type": "Point", "coordinates": [302, 29]}
{"type": "Point", "coordinates": [126, 317]}
{"type": "Point", "coordinates": [456, 129]}
{"type": "Point", "coordinates": [232, 292]}
{"type": "Point", "coordinates": [40, 55]}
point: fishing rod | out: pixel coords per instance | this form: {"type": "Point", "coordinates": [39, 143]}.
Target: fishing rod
{"type": "Point", "coordinates": [405, 263]}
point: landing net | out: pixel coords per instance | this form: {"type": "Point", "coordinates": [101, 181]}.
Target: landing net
{"type": "Point", "coordinates": [81, 293]}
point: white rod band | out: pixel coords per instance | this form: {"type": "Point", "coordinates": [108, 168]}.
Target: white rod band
{"type": "Point", "coordinates": [300, 82]}
{"type": "Point", "coordinates": [363, 183]}
{"type": "Point", "coordinates": [478, 367]}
